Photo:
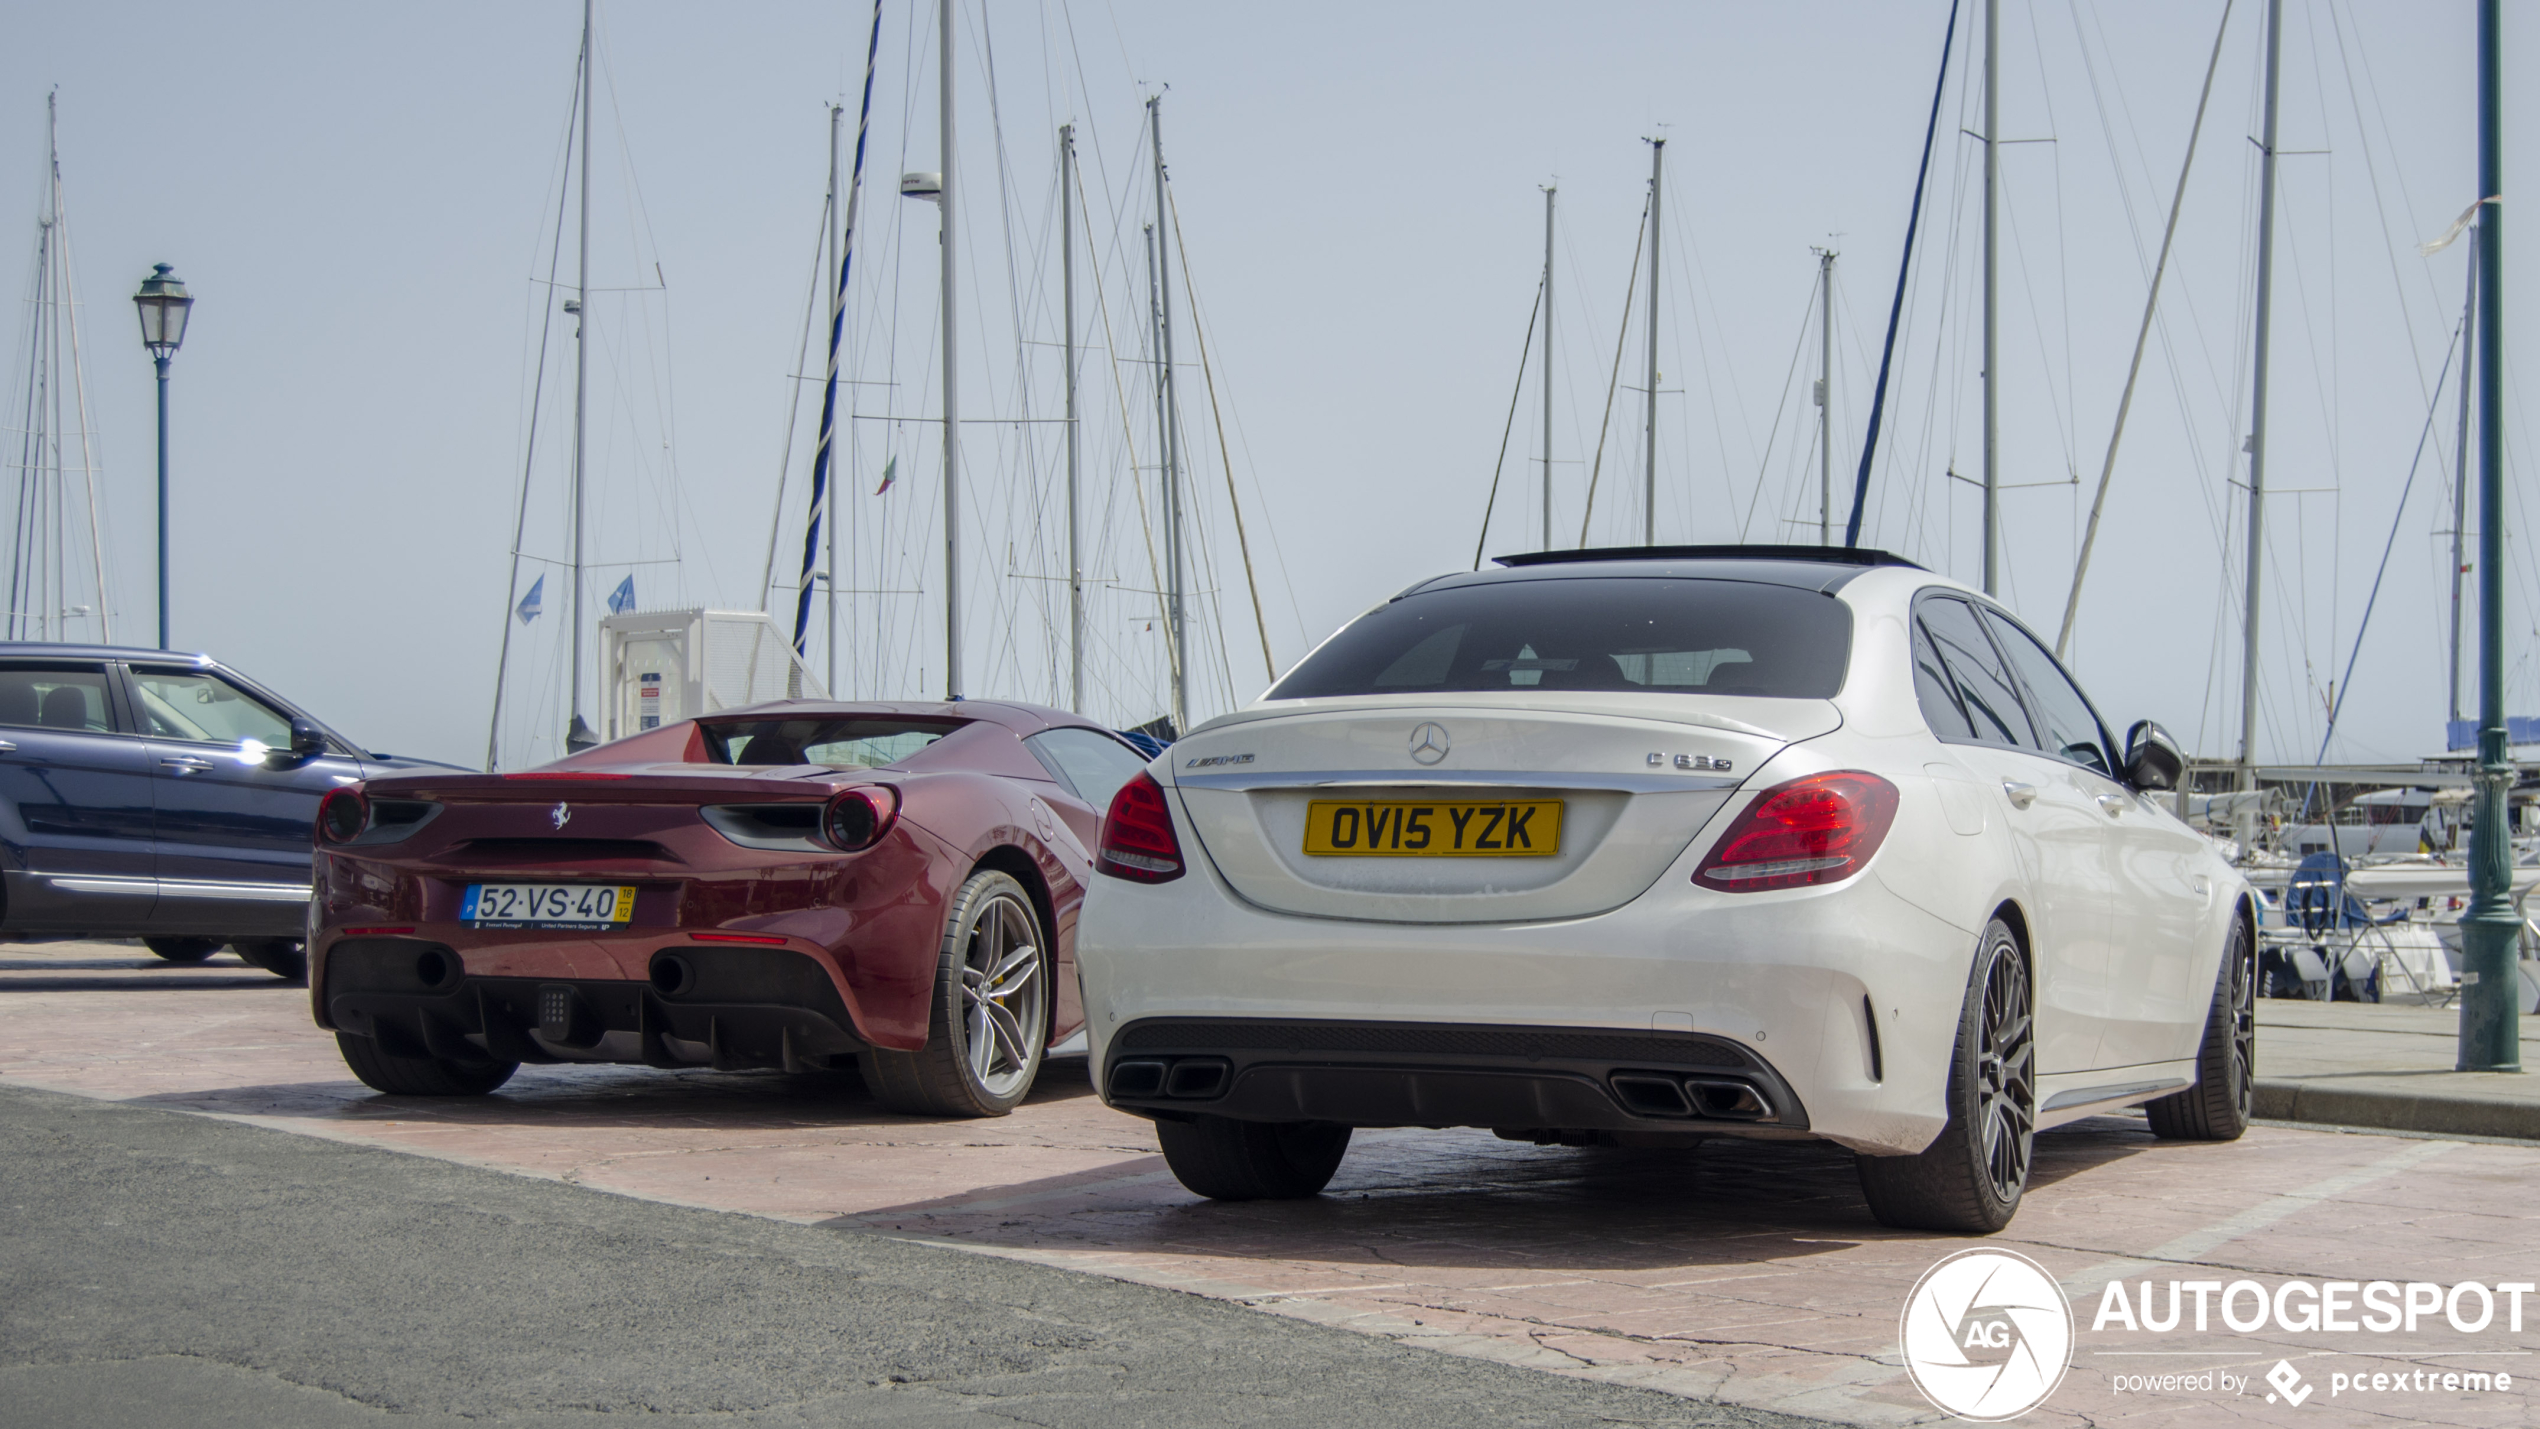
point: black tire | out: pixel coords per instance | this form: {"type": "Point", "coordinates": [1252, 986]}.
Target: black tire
{"type": "Point", "coordinates": [990, 1023]}
{"type": "Point", "coordinates": [419, 1076]}
{"type": "Point", "coordinates": [1970, 1179]}
{"type": "Point", "coordinates": [182, 950]}
{"type": "Point", "coordinates": [2217, 1107]}
{"type": "Point", "coordinates": [285, 958]}
{"type": "Point", "coordinates": [1227, 1160]}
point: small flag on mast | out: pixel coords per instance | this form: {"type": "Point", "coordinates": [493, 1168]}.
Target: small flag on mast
{"type": "Point", "coordinates": [531, 603]}
{"type": "Point", "coordinates": [622, 599]}
{"type": "Point", "coordinates": [890, 471]}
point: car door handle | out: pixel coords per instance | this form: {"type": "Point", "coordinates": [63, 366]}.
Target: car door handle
{"type": "Point", "coordinates": [186, 764]}
{"type": "Point", "coordinates": [2021, 795]}
{"type": "Point", "coordinates": [2114, 805]}
{"type": "Point", "coordinates": [8, 746]}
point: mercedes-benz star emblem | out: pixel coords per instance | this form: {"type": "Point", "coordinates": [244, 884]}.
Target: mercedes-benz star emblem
{"type": "Point", "coordinates": [1428, 744]}
{"type": "Point", "coordinates": [561, 813]}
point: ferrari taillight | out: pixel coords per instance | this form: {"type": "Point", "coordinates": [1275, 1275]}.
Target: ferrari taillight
{"type": "Point", "coordinates": [1138, 842]}
{"type": "Point", "coordinates": [1814, 830]}
{"type": "Point", "coordinates": [857, 819]}
{"type": "Point", "coordinates": [342, 815]}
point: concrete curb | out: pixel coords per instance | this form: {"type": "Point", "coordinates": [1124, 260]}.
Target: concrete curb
{"type": "Point", "coordinates": [2389, 1110]}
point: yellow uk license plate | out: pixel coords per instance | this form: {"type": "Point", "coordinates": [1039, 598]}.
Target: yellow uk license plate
{"type": "Point", "coordinates": [1435, 828]}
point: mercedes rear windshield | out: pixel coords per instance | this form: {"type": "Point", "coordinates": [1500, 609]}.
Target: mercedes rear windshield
{"type": "Point", "coordinates": [1621, 634]}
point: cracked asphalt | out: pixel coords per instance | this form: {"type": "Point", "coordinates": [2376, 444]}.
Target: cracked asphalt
{"type": "Point", "coordinates": [165, 1268]}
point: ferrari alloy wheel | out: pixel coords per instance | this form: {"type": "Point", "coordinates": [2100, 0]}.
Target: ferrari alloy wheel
{"type": "Point", "coordinates": [383, 1071]}
{"type": "Point", "coordinates": [1971, 1177]}
{"type": "Point", "coordinates": [991, 1014]}
{"type": "Point", "coordinates": [182, 950]}
{"type": "Point", "coordinates": [285, 958]}
{"type": "Point", "coordinates": [2217, 1108]}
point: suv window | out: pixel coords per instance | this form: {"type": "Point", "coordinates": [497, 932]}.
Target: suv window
{"type": "Point", "coordinates": [1093, 765]}
{"type": "Point", "coordinates": [206, 709]}
{"type": "Point", "coordinates": [1985, 690]}
{"type": "Point", "coordinates": [2066, 725]}
{"type": "Point", "coordinates": [1659, 635]}
{"type": "Point", "coordinates": [66, 697]}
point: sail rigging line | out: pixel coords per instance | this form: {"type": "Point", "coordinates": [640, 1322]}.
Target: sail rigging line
{"type": "Point", "coordinates": [821, 456]}
{"type": "Point", "coordinates": [1621, 333]}
{"type": "Point", "coordinates": [1534, 314]}
{"type": "Point", "coordinates": [538, 387]}
{"type": "Point", "coordinates": [1913, 220]}
{"type": "Point", "coordinates": [2434, 404]}
{"type": "Point", "coordinates": [1119, 391]}
{"type": "Point", "coordinates": [1199, 333]}
{"type": "Point", "coordinates": [1695, 277]}
{"type": "Point", "coordinates": [794, 400]}
{"type": "Point", "coordinates": [1764, 464]}
{"type": "Point", "coordinates": [1025, 448]}
{"type": "Point", "coordinates": [794, 380]}
{"type": "Point", "coordinates": [2142, 336]}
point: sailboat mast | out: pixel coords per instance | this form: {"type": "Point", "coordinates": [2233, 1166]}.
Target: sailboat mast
{"type": "Point", "coordinates": [1067, 319]}
{"type": "Point", "coordinates": [1649, 473]}
{"type": "Point", "coordinates": [1172, 444]}
{"type": "Point", "coordinates": [79, 391]}
{"type": "Point", "coordinates": [1992, 205]}
{"type": "Point", "coordinates": [2246, 823]}
{"type": "Point", "coordinates": [1549, 191]}
{"type": "Point", "coordinates": [952, 370]}
{"type": "Point", "coordinates": [2460, 475]}
{"type": "Point", "coordinates": [578, 732]}
{"type": "Point", "coordinates": [829, 403]}
{"type": "Point", "coordinates": [49, 476]}
{"type": "Point", "coordinates": [1825, 396]}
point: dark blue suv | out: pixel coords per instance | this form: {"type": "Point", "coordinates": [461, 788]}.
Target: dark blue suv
{"type": "Point", "coordinates": [161, 796]}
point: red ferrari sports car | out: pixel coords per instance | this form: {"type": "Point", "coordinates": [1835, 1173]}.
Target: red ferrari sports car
{"type": "Point", "coordinates": [801, 885]}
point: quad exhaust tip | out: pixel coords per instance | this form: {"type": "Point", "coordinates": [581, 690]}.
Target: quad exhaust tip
{"type": "Point", "coordinates": [1655, 1095]}
{"type": "Point", "coordinates": [1183, 1078]}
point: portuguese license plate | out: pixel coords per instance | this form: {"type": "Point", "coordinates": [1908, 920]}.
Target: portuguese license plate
{"type": "Point", "coordinates": [1434, 828]}
{"type": "Point", "coordinates": [548, 905]}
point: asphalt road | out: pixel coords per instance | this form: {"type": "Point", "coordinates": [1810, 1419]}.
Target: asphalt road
{"type": "Point", "coordinates": [160, 1268]}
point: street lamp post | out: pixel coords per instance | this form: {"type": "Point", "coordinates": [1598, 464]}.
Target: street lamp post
{"type": "Point", "coordinates": [2491, 931]}
{"type": "Point", "coordinates": [163, 303]}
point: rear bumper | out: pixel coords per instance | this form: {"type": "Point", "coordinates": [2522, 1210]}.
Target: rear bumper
{"type": "Point", "coordinates": [1843, 998]}
{"type": "Point", "coordinates": [722, 1007]}
{"type": "Point", "coordinates": [1520, 1081]}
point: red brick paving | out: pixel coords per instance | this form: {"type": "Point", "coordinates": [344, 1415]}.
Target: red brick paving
{"type": "Point", "coordinates": [1744, 1272]}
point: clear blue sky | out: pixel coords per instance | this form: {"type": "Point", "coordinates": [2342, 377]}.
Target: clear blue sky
{"type": "Point", "coordinates": [361, 196]}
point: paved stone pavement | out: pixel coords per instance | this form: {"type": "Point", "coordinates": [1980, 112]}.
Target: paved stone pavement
{"type": "Point", "coordinates": [1746, 1273]}
{"type": "Point", "coordinates": [2388, 1065]}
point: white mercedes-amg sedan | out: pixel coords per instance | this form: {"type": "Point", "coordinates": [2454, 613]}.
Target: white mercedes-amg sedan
{"type": "Point", "coordinates": [1642, 846]}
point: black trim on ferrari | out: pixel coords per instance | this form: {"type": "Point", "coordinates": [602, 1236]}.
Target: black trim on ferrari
{"type": "Point", "coordinates": [723, 1007]}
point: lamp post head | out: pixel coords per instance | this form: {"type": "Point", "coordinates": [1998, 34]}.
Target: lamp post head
{"type": "Point", "coordinates": [925, 186]}
{"type": "Point", "coordinates": [163, 303]}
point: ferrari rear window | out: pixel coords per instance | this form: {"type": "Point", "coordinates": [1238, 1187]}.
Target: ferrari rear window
{"type": "Point", "coordinates": [839, 741]}
{"type": "Point", "coordinates": [1665, 636]}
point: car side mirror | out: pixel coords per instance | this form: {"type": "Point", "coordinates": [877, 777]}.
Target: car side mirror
{"type": "Point", "coordinates": [2152, 758]}
{"type": "Point", "coordinates": [307, 740]}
